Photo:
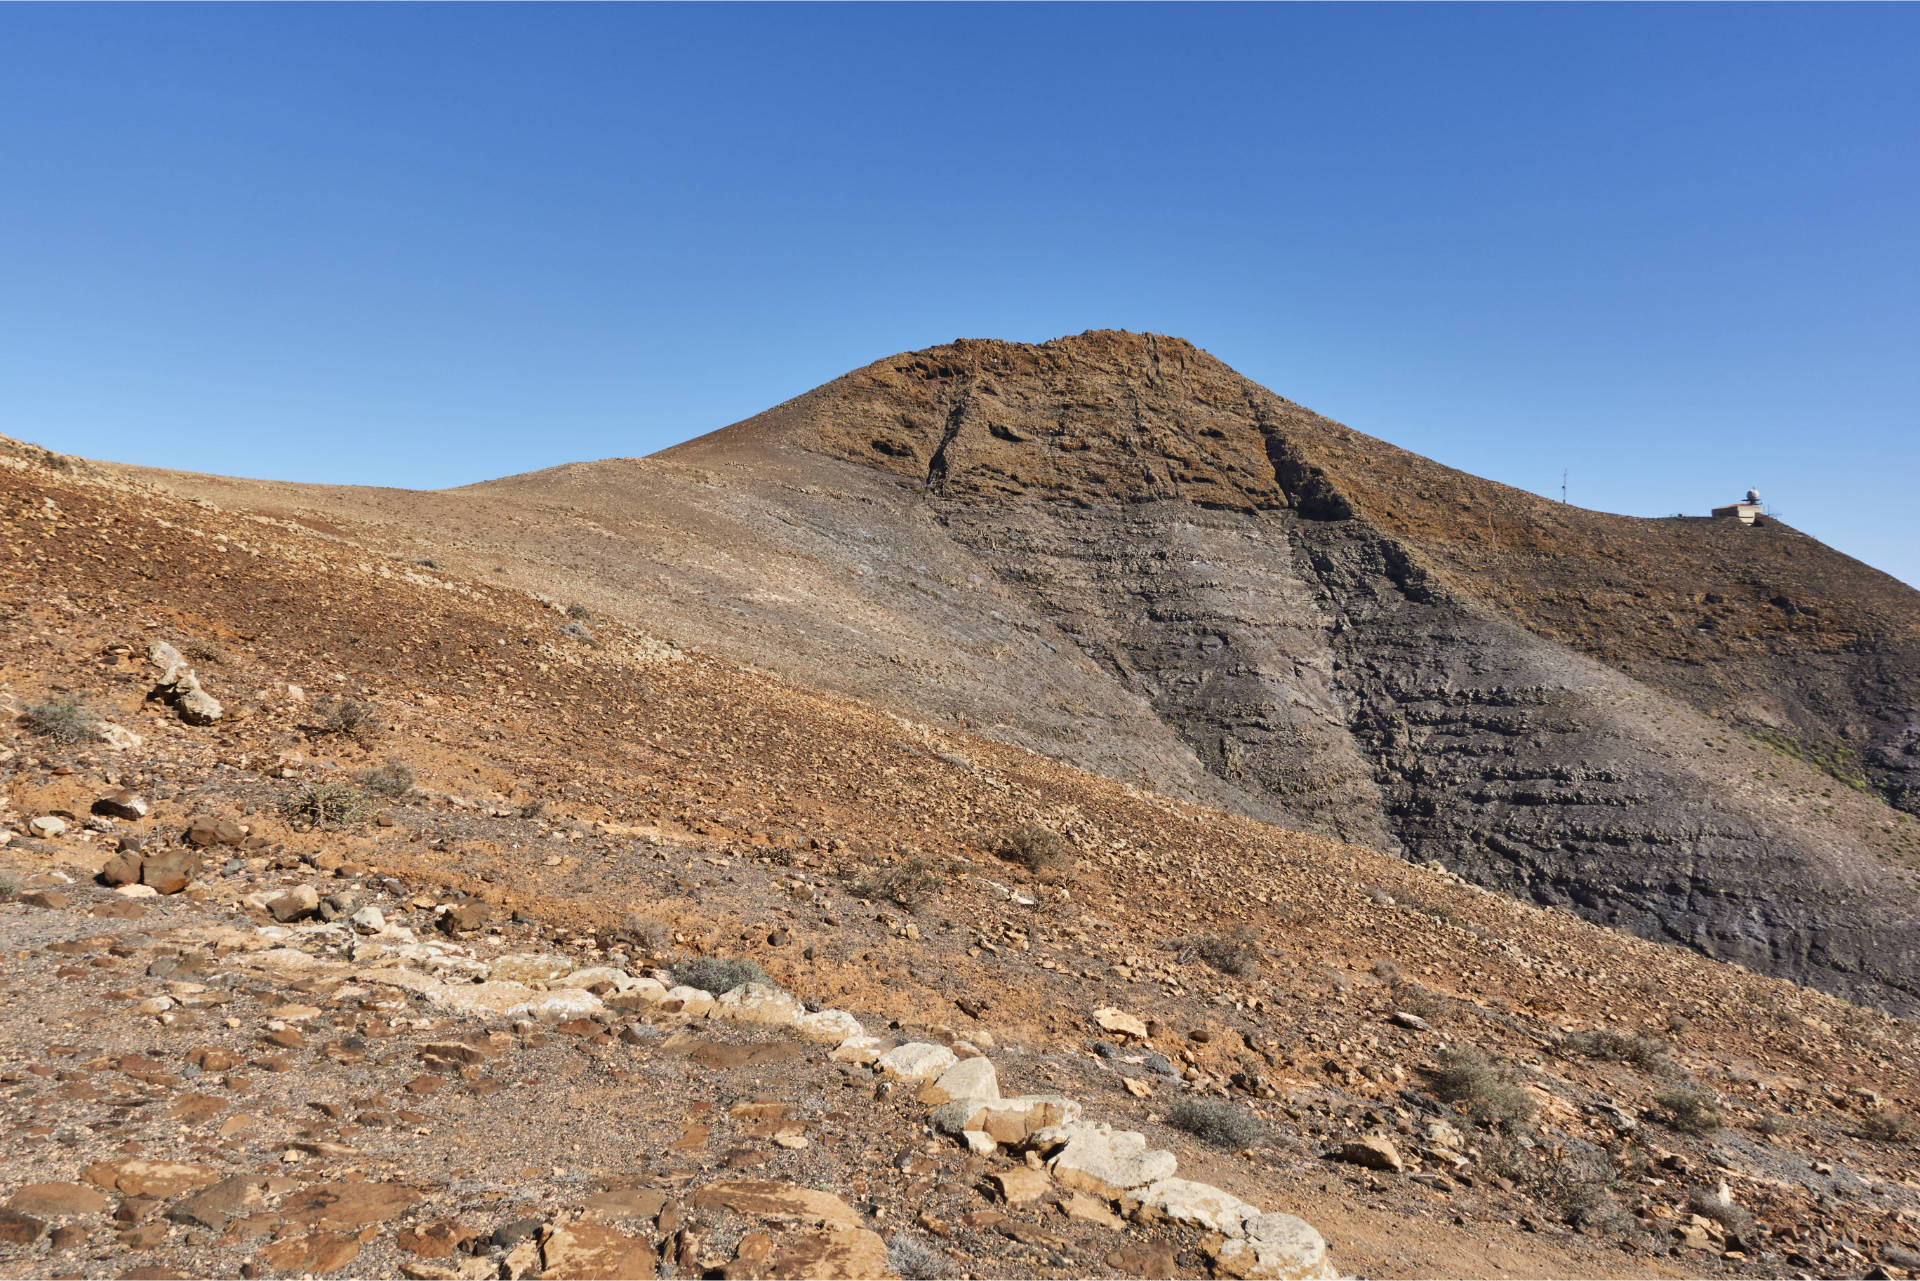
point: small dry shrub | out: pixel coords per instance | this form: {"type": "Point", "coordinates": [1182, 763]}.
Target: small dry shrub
{"type": "Point", "coordinates": [1577, 1186]}
{"type": "Point", "coordinates": [1221, 1124]}
{"type": "Point", "coordinates": [392, 779]}
{"type": "Point", "coordinates": [579, 613]}
{"type": "Point", "coordinates": [1387, 972]}
{"type": "Point", "coordinates": [909, 884]}
{"type": "Point", "coordinates": [199, 651]}
{"type": "Point", "coordinates": [1733, 1218]}
{"type": "Point", "coordinates": [351, 718]}
{"type": "Point", "coordinates": [533, 808]}
{"type": "Point", "coordinates": [1885, 1125]}
{"type": "Point", "coordinates": [324, 805]}
{"type": "Point", "coordinates": [65, 719]}
{"type": "Point", "coordinates": [652, 936]}
{"type": "Point", "coordinates": [1233, 954]}
{"type": "Point", "coordinates": [1688, 1113]}
{"type": "Point", "coordinates": [717, 974]}
{"type": "Point", "coordinates": [1642, 1052]}
{"type": "Point", "coordinates": [579, 632]}
{"type": "Point", "coordinates": [913, 1259]}
{"type": "Point", "coordinates": [1037, 848]}
{"type": "Point", "coordinates": [1488, 1091]}
{"type": "Point", "coordinates": [1421, 1001]}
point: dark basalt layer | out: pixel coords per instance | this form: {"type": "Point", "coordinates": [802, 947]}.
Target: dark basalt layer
{"type": "Point", "coordinates": [1377, 648]}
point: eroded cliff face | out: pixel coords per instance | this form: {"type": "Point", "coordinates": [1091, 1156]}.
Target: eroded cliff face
{"type": "Point", "coordinates": [1200, 541]}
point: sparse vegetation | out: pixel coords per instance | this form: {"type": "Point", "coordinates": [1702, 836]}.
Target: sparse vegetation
{"type": "Point", "coordinates": [1037, 848]}
{"type": "Point", "coordinates": [351, 718]}
{"type": "Point", "coordinates": [717, 974]}
{"type": "Point", "coordinates": [1421, 1001]}
{"type": "Point", "coordinates": [1221, 1124]}
{"type": "Point", "coordinates": [66, 719]}
{"type": "Point", "coordinates": [1575, 1185]}
{"type": "Point", "coordinates": [1642, 1052]}
{"type": "Point", "coordinates": [533, 808]}
{"type": "Point", "coordinates": [1837, 761]}
{"type": "Point", "coordinates": [909, 884]}
{"type": "Point", "coordinates": [652, 936]}
{"type": "Point", "coordinates": [579, 613]}
{"type": "Point", "coordinates": [1735, 1219]}
{"type": "Point", "coordinates": [8, 888]}
{"type": "Point", "coordinates": [392, 779]}
{"type": "Point", "coordinates": [1488, 1092]}
{"type": "Point", "coordinates": [200, 651]}
{"type": "Point", "coordinates": [579, 632]}
{"type": "Point", "coordinates": [910, 1257]}
{"type": "Point", "coordinates": [1233, 954]}
{"type": "Point", "coordinates": [1688, 1113]}
{"type": "Point", "coordinates": [1387, 972]}
{"type": "Point", "coordinates": [1885, 1125]}
{"type": "Point", "coordinates": [324, 805]}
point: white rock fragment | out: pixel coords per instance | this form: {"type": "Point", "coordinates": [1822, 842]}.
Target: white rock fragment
{"type": "Point", "coordinates": [690, 1001]}
{"type": "Point", "coordinates": [758, 1003]}
{"type": "Point", "coordinates": [967, 1079]}
{"type": "Point", "coordinates": [916, 1061]}
{"type": "Point", "coordinates": [1196, 1204]}
{"type": "Point", "coordinates": [1275, 1247]}
{"type": "Point", "coordinates": [861, 1048]}
{"type": "Point", "coordinates": [829, 1027]}
{"type": "Point", "coordinates": [1097, 1158]}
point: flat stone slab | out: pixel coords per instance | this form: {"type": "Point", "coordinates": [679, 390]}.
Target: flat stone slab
{"type": "Point", "coordinates": [1275, 1247]}
{"type": "Point", "coordinates": [770, 1199]}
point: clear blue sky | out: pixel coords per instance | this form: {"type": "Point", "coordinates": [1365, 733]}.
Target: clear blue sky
{"type": "Point", "coordinates": [1672, 249]}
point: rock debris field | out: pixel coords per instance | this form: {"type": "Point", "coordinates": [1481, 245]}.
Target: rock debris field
{"type": "Point", "coordinates": [360, 919]}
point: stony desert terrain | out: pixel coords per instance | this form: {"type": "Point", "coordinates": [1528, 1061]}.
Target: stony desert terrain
{"type": "Point", "coordinates": [372, 913]}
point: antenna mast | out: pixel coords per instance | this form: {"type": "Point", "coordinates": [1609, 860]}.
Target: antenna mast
{"type": "Point", "coordinates": [1563, 484]}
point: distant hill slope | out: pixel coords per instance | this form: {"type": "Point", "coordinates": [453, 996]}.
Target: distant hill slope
{"type": "Point", "coordinates": [1114, 549]}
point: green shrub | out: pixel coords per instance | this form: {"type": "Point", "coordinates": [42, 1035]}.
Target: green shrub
{"type": "Point", "coordinates": [717, 974]}
{"type": "Point", "coordinates": [1488, 1092]}
{"type": "Point", "coordinates": [65, 719]}
{"type": "Point", "coordinates": [1688, 1113]}
{"type": "Point", "coordinates": [324, 805]}
{"type": "Point", "coordinates": [1221, 1124]}
{"type": "Point", "coordinates": [393, 779]}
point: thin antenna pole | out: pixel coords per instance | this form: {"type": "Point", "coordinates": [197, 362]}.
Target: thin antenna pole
{"type": "Point", "coordinates": [1563, 484]}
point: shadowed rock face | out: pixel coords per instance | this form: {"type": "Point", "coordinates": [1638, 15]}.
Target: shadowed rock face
{"type": "Point", "coordinates": [1392, 678]}
{"type": "Point", "coordinates": [1115, 550]}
